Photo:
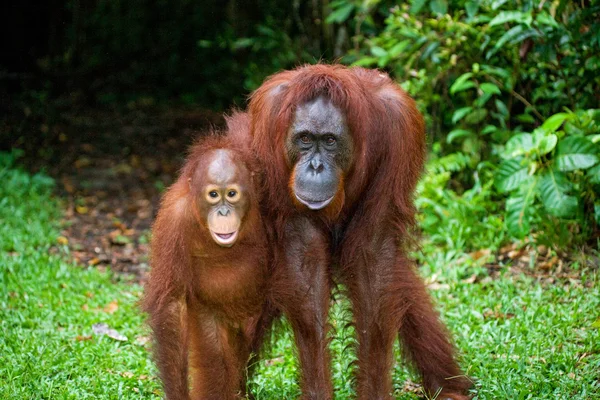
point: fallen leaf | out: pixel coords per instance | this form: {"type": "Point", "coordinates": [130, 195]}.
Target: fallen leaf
{"type": "Point", "coordinates": [119, 225]}
{"type": "Point", "coordinates": [81, 209]}
{"type": "Point", "coordinates": [83, 338]}
{"type": "Point", "coordinates": [412, 387]}
{"type": "Point", "coordinates": [514, 254]}
{"type": "Point", "coordinates": [273, 361]}
{"type": "Point", "coordinates": [82, 162]}
{"type": "Point", "coordinates": [476, 255]}
{"type": "Point", "coordinates": [62, 240]}
{"type": "Point", "coordinates": [120, 240]}
{"type": "Point", "coordinates": [438, 286]}
{"type": "Point", "coordinates": [142, 340]}
{"type": "Point", "coordinates": [111, 307]}
{"type": "Point", "coordinates": [102, 329]}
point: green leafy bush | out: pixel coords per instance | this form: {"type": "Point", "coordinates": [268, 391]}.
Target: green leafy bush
{"type": "Point", "coordinates": [553, 174]}
{"type": "Point", "coordinates": [508, 89]}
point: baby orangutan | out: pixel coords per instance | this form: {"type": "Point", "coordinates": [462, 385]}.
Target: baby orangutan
{"type": "Point", "coordinates": [209, 256]}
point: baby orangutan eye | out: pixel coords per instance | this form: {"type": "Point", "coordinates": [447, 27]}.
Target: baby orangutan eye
{"type": "Point", "coordinates": [231, 193]}
{"type": "Point", "coordinates": [213, 194]}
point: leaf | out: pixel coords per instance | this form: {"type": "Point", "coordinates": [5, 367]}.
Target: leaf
{"type": "Point", "coordinates": [508, 35]}
{"type": "Point", "coordinates": [103, 329]}
{"type": "Point", "coordinates": [594, 174]}
{"type": "Point", "coordinates": [439, 6]}
{"type": "Point", "coordinates": [398, 48]}
{"type": "Point", "coordinates": [111, 307]}
{"type": "Point", "coordinates": [596, 323]}
{"type": "Point", "coordinates": [511, 16]}
{"type": "Point", "coordinates": [575, 152]}
{"type": "Point", "coordinates": [460, 113]}
{"type": "Point", "coordinates": [481, 100]}
{"type": "Point", "coordinates": [472, 6]}
{"type": "Point", "coordinates": [554, 122]}
{"type": "Point", "coordinates": [416, 6]}
{"type": "Point", "coordinates": [547, 144]}
{"type": "Point", "coordinates": [519, 210]}
{"type": "Point", "coordinates": [457, 133]}
{"type": "Point", "coordinates": [462, 83]}
{"type": "Point", "coordinates": [514, 35]}
{"type": "Point", "coordinates": [518, 145]}
{"type": "Point", "coordinates": [365, 62]}
{"type": "Point", "coordinates": [477, 116]}
{"type": "Point", "coordinates": [571, 129]}
{"type": "Point", "coordinates": [378, 51]}
{"type": "Point", "coordinates": [243, 43]}
{"type": "Point", "coordinates": [544, 143]}
{"type": "Point", "coordinates": [489, 88]}
{"type": "Point", "coordinates": [597, 212]}
{"type": "Point", "coordinates": [496, 4]}
{"type": "Point", "coordinates": [526, 34]}
{"type": "Point", "coordinates": [501, 107]}
{"type": "Point", "coordinates": [543, 18]}
{"type": "Point", "coordinates": [489, 129]}
{"type": "Point", "coordinates": [340, 14]}
{"type": "Point", "coordinates": [510, 175]}
{"type": "Point", "coordinates": [526, 118]}
{"type": "Point", "coordinates": [553, 188]}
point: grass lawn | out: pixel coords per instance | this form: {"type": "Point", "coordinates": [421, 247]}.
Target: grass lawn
{"type": "Point", "coordinates": [518, 338]}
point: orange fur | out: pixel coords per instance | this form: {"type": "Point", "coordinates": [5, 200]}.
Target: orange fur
{"type": "Point", "coordinates": [204, 300]}
{"type": "Point", "coordinates": [365, 233]}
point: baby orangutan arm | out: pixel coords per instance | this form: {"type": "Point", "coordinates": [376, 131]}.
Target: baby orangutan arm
{"type": "Point", "coordinates": [165, 292]}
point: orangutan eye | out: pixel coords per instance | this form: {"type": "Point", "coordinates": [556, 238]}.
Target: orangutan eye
{"type": "Point", "coordinates": [213, 194]}
{"type": "Point", "coordinates": [330, 140]}
{"type": "Point", "coordinates": [231, 193]}
{"type": "Point", "coordinates": [305, 139]}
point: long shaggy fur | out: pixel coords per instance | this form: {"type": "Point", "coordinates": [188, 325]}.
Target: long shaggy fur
{"type": "Point", "coordinates": [367, 236]}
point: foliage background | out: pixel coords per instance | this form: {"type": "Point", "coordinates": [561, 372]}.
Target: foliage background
{"type": "Point", "coordinates": [509, 88]}
{"type": "Point", "coordinates": [509, 206]}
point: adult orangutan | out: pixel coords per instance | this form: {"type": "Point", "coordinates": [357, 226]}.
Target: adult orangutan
{"type": "Point", "coordinates": [209, 260]}
{"type": "Point", "coordinates": [343, 149]}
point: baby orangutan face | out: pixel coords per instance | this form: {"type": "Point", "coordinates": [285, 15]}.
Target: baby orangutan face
{"type": "Point", "coordinates": [221, 187]}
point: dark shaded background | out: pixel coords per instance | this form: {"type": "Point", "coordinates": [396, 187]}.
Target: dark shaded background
{"type": "Point", "coordinates": [210, 53]}
{"type": "Point", "coordinates": [105, 96]}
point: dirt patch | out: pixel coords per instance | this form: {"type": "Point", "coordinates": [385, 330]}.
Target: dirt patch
{"type": "Point", "coordinates": [112, 168]}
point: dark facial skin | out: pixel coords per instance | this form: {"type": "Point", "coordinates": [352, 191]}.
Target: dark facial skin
{"type": "Point", "coordinates": [319, 148]}
{"type": "Point", "coordinates": [222, 197]}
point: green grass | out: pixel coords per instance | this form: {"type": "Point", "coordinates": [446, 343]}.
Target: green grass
{"type": "Point", "coordinates": [48, 307]}
{"type": "Point", "coordinates": [518, 339]}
